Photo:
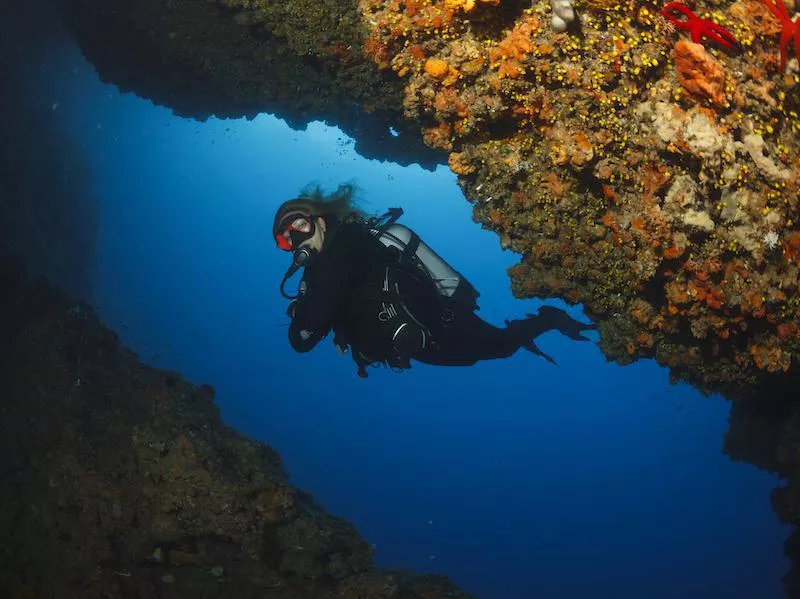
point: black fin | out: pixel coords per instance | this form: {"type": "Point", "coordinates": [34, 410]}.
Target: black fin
{"type": "Point", "coordinates": [556, 318]}
{"type": "Point", "coordinates": [534, 349]}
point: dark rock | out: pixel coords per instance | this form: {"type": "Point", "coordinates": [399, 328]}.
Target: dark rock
{"type": "Point", "coordinates": [120, 480]}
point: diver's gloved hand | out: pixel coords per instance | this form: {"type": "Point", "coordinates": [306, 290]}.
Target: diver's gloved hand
{"type": "Point", "coordinates": [342, 347]}
{"type": "Point", "coordinates": [292, 307]}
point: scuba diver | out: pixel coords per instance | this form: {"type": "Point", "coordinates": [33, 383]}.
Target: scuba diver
{"type": "Point", "coordinates": [386, 295]}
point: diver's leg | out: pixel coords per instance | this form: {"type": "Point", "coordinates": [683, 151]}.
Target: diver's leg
{"type": "Point", "coordinates": [469, 339]}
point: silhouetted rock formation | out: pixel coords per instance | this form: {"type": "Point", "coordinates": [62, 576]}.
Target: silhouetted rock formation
{"type": "Point", "coordinates": [120, 480]}
{"type": "Point", "coordinates": [48, 210]}
{"type": "Point", "coordinates": [765, 432]}
{"type": "Point", "coordinates": [300, 60]}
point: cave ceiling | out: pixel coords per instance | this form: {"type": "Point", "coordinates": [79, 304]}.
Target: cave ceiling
{"type": "Point", "coordinates": [649, 175]}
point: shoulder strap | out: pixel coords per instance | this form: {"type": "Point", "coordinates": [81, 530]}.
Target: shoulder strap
{"type": "Point", "coordinates": [410, 251]}
{"type": "Point", "coordinates": [379, 224]}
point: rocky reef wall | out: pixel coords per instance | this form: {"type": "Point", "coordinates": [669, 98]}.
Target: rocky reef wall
{"type": "Point", "coordinates": [237, 58]}
{"type": "Point", "coordinates": [120, 480]}
{"type": "Point", "coordinates": [48, 210]}
{"type": "Point", "coordinates": [765, 432]}
{"type": "Point", "coordinates": [650, 175]}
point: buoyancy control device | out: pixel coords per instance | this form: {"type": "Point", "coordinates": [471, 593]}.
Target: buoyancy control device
{"type": "Point", "coordinates": [407, 333]}
{"type": "Point", "coordinates": [451, 285]}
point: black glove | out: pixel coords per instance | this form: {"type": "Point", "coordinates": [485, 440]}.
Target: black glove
{"type": "Point", "coordinates": [292, 307]}
{"type": "Point", "coordinates": [340, 343]}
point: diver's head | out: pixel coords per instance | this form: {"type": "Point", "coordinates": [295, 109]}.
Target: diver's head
{"type": "Point", "coordinates": [304, 220]}
{"type": "Point", "coordinates": [297, 230]}
{"type": "Point", "coordinates": [299, 227]}
{"type": "Point", "coordinates": [300, 223]}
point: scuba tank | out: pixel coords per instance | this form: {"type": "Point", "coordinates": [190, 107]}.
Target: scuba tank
{"type": "Point", "coordinates": [451, 285]}
{"type": "Point", "coordinates": [405, 323]}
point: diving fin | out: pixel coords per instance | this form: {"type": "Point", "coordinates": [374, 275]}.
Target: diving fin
{"type": "Point", "coordinates": [556, 318]}
{"type": "Point", "coordinates": [534, 349]}
{"type": "Point", "coordinates": [548, 319]}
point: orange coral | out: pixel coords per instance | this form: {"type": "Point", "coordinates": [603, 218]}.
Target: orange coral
{"type": "Point", "coordinates": [373, 46]}
{"type": "Point", "coordinates": [510, 68]}
{"type": "Point", "coordinates": [788, 331]}
{"type": "Point", "coordinates": [459, 164]}
{"type": "Point", "coordinates": [440, 70]}
{"type": "Point", "coordinates": [699, 73]}
{"type": "Point", "coordinates": [771, 359]}
{"type": "Point", "coordinates": [791, 249]}
{"type": "Point", "coordinates": [508, 55]}
{"type": "Point", "coordinates": [557, 187]}
{"type": "Point", "coordinates": [438, 136]}
{"type": "Point", "coordinates": [448, 104]}
{"type": "Point", "coordinates": [756, 16]}
{"type": "Point", "coordinates": [416, 52]}
{"type": "Point", "coordinates": [436, 68]}
{"type": "Point", "coordinates": [467, 5]}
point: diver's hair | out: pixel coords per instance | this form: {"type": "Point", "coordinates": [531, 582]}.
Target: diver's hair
{"type": "Point", "coordinates": [337, 207]}
{"type": "Point", "coordinates": [342, 203]}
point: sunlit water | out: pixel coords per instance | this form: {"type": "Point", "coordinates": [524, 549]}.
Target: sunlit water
{"type": "Point", "coordinates": [514, 478]}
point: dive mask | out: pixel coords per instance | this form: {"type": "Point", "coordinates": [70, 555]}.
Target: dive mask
{"type": "Point", "coordinates": [294, 230]}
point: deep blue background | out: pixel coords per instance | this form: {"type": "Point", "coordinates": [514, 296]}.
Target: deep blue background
{"type": "Point", "coordinates": [515, 478]}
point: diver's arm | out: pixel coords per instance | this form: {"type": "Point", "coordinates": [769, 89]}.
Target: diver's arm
{"type": "Point", "coordinates": [325, 292]}
{"type": "Point", "coordinates": [309, 325]}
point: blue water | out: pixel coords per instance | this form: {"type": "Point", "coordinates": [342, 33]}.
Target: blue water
{"type": "Point", "coordinates": [515, 478]}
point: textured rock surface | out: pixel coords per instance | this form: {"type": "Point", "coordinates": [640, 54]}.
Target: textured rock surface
{"type": "Point", "coordinates": [571, 143]}
{"type": "Point", "coordinates": [237, 58]}
{"type": "Point", "coordinates": [120, 480]}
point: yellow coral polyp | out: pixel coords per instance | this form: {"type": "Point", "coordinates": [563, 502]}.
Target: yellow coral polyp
{"type": "Point", "coordinates": [467, 5]}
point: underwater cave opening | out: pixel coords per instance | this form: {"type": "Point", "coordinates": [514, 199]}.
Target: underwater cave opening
{"type": "Point", "coordinates": [503, 476]}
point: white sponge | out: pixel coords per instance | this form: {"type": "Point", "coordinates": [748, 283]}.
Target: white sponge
{"type": "Point", "coordinates": [563, 14]}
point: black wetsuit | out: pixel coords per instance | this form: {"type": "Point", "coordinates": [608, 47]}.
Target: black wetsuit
{"type": "Point", "coordinates": [340, 293]}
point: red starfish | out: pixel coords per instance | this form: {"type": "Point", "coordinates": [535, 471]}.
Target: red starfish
{"type": "Point", "coordinates": [788, 30]}
{"type": "Point", "coordinates": [697, 27]}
